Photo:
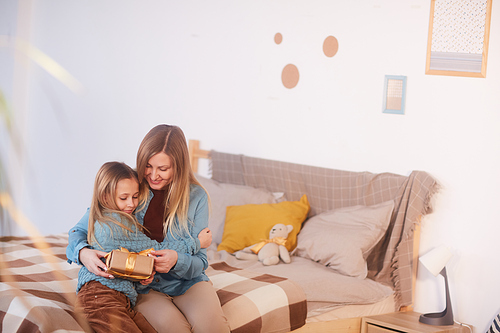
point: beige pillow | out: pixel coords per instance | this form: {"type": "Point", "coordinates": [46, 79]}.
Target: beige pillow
{"type": "Point", "coordinates": [223, 195]}
{"type": "Point", "coordinates": [342, 239]}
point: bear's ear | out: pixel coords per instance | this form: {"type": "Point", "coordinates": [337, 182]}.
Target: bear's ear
{"type": "Point", "coordinates": [289, 227]}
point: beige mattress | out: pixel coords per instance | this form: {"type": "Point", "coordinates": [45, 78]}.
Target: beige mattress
{"type": "Point", "coordinates": [328, 293]}
{"type": "Point", "coordinates": [386, 305]}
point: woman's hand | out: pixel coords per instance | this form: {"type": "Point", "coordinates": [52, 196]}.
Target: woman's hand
{"type": "Point", "coordinates": [147, 281]}
{"type": "Point", "coordinates": [205, 237]}
{"type": "Point", "coordinates": [164, 260]}
{"type": "Point", "coordinates": [91, 259]}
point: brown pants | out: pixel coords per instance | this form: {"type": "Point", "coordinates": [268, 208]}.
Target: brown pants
{"type": "Point", "coordinates": [198, 310]}
{"type": "Point", "coordinates": [108, 310]}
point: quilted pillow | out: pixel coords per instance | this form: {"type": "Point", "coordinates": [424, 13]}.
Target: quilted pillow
{"type": "Point", "coordinates": [223, 195]}
{"type": "Point", "coordinates": [342, 239]}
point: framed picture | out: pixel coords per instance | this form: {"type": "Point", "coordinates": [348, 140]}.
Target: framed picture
{"type": "Point", "coordinates": [394, 94]}
{"type": "Point", "coordinates": [458, 39]}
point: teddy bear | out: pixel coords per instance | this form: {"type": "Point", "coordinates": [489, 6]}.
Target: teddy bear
{"type": "Point", "coordinates": [271, 250]}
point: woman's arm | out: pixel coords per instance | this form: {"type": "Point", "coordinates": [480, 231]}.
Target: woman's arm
{"type": "Point", "coordinates": [187, 266]}
{"type": "Point", "coordinates": [79, 251]}
{"type": "Point", "coordinates": [77, 239]}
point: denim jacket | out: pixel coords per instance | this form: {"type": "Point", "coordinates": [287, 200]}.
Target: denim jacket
{"type": "Point", "coordinates": [188, 270]}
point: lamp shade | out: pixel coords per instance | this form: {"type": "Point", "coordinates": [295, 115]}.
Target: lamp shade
{"type": "Point", "coordinates": [436, 259]}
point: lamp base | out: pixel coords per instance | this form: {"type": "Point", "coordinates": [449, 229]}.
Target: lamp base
{"type": "Point", "coordinates": [438, 319]}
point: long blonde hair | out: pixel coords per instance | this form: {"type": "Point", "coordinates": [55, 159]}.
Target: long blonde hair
{"type": "Point", "coordinates": [103, 204]}
{"type": "Point", "coordinates": [171, 141]}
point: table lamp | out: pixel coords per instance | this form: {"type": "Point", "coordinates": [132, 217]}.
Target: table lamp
{"type": "Point", "coordinates": [435, 261]}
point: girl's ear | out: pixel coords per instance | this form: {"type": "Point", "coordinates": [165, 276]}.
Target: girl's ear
{"type": "Point", "coordinates": [106, 201]}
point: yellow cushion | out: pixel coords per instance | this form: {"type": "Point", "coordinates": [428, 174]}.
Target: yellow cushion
{"type": "Point", "coordinates": [250, 224]}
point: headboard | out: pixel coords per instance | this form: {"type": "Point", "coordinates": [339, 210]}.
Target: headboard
{"type": "Point", "coordinates": [394, 260]}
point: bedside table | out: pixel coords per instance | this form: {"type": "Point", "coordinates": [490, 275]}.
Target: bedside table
{"type": "Point", "coordinates": [406, 322]}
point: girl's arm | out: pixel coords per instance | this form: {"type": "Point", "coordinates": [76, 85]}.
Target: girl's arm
{"type": "Point", "coordinates": [134, 242]}
{"type": "Point", "coordinates": [205, 238]}
{"type": "Point", "coordinates": [194, 245]}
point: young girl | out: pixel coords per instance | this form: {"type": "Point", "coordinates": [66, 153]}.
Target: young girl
{"type": "Point", "coordinates": [107, 303]}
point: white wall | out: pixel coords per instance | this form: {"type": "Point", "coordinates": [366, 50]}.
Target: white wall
{"type": "Point", "coordinates": [212, 67]}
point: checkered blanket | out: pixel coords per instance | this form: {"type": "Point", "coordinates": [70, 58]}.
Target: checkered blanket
{"type": "Point", "coordinates": [37, 286]}
{"type": "Point", "coordinates": [254, 302]}
{"type": "Point", "coordinates": [37, 291]}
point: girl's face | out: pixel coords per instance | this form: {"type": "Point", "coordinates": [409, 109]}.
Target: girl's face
{"type": "Point", "coordinates": [127, 195]}
{"type": "Point", "coordinates": [159, 171]}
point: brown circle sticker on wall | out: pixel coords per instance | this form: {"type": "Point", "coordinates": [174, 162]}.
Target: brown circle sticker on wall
{"type": "Point", "coordinates": [278, 38]}
{"type": "Point", "coordinates": [290, 76]}
{"type": "Point", "coordinates": [330, 46]}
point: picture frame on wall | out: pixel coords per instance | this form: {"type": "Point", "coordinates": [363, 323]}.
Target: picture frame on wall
{"type": "Point", "coordinates": [458, 38]}
{"type": "Point", "coordinates": [394, 94]}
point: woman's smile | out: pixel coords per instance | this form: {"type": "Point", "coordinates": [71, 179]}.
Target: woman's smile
{"type": "Point", "coordinates": [159, 171]}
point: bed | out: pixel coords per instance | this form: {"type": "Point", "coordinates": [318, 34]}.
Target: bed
{"type": "Point", "coordinates": [37, 285]}
{"type": "Point", "coordinates": [337, 298]}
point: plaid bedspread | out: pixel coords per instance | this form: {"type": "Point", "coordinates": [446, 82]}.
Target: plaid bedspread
{"type": "Point", "coordinates": [37, 292]}
{"type": "Point", "coordinates": [37, 286]}
{"type": "Point", "coordinates": [254, 302]}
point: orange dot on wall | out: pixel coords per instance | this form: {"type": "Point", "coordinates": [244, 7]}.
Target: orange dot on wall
{"type": "Point", "coordinates": [290, 76]}
{"type": "Point", "coordinates": [330, 46]}
{"type": "Point", "coordinates": [278, 38]}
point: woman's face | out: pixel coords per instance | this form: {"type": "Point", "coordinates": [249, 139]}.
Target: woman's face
{"type": "Point", "coordinates": [159, 171]}
{"type": "Point", "coordinates": [127, 195]}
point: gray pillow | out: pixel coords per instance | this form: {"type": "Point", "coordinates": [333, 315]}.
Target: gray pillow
{"type": "Point", "coordinates": [342, 239]}
{"type": "Point", "coordinates": [223, 195]}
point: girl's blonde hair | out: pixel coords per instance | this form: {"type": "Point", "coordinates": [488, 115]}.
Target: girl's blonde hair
{"type": "Point", "coordinates": [103, 205]}
{"type": "Point", "coordinates": [171, 141]}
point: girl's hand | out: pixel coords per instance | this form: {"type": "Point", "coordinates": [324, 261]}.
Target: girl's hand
{"type": "Point", "coordinates": [147, 281]}
{"type": "Point", "coordinates": [205, 237]}
{"type": "Point", "coordinates": [164, 260]}
{"type": "Point", "coordinates": [91, 259]}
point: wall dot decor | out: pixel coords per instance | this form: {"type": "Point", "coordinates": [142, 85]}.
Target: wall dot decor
{"type": "Point", "coordinates": [290, 76]}
{"type": "Point", "coordinates": [330, 46]}
{"type": "Point", "coordinates": [278, 38]}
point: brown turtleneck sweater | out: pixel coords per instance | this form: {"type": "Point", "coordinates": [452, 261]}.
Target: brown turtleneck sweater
{"type": "Point", "coordinates": [153, 220]}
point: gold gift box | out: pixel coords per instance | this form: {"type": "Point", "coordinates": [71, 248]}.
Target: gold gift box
{"type": "Point", "coordinates": [130, 265]}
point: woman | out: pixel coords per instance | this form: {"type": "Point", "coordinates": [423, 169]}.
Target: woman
{"type": "Point", "coordinates": [181, 297]}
